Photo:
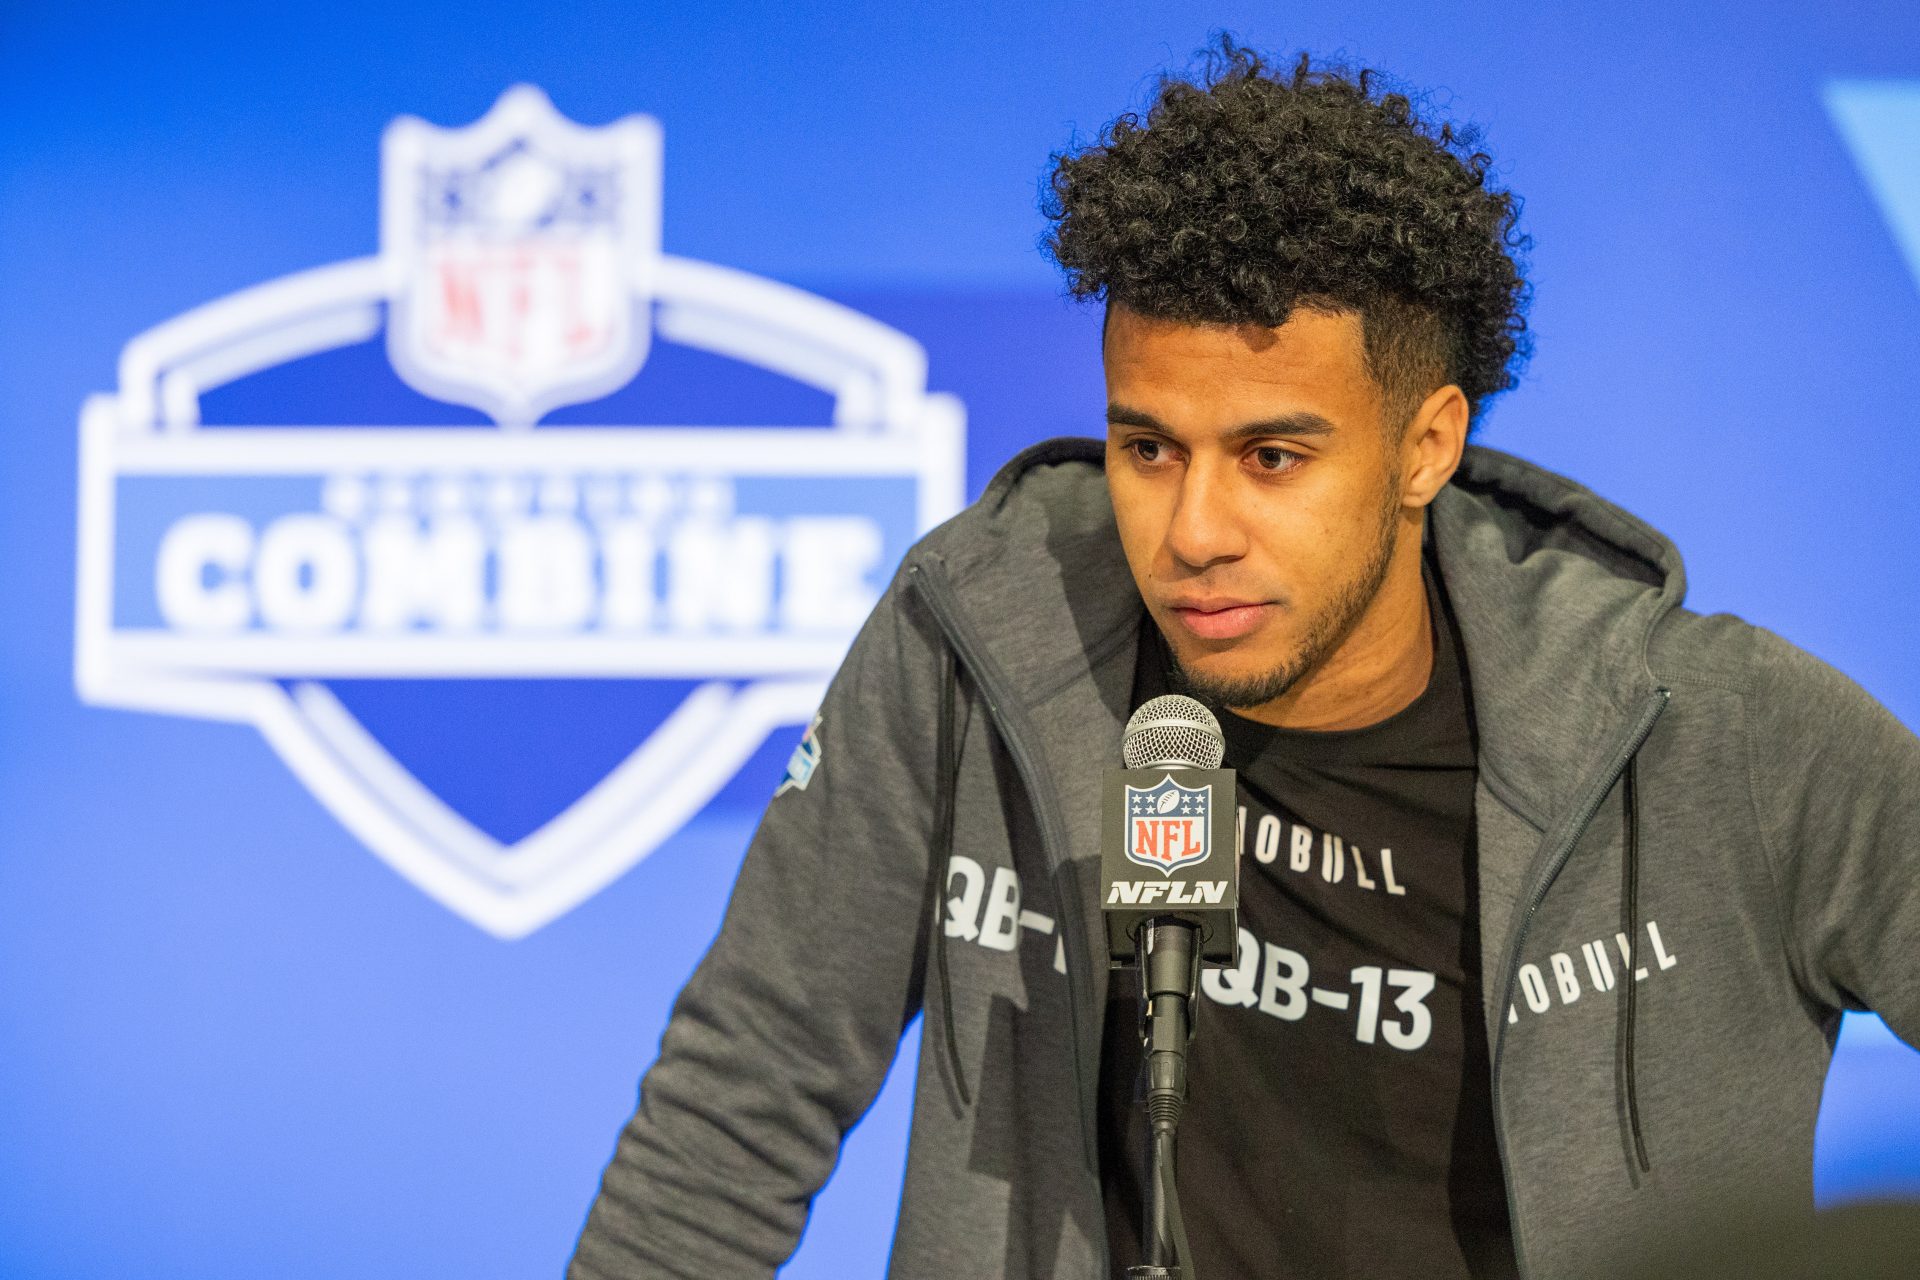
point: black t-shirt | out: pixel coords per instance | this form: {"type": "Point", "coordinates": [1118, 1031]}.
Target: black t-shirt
{"type": "Point", "coordinates": [1339, 1121]}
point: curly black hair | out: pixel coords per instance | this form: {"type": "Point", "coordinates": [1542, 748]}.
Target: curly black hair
{"type": "Point", "coordinates": [1255, 191]}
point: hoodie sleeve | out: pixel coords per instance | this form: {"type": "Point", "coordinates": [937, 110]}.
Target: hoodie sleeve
{"type": "Point", "coordinates": [1836, 783]}
{"type": "Point", "coordinates": [784, 1033]}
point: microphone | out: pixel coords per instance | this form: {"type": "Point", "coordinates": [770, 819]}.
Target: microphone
{"type": "Point", "coordinates": [1168, 825]}
{"type": "Point", "coordinates": [1170, 889]}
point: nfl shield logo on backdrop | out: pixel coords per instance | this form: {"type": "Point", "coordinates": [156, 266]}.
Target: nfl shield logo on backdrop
{"type": "Point", "coordinates": [511, 656]}
{"type": "Point", "coordinates": [1168, 825]}
{"type": "Point", "coordinates": [522, 252]}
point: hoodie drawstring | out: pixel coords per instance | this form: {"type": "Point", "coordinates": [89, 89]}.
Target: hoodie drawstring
{"type": "Point", "coordinates": [1630, 925]}
{"type": "Point", "coordinates": [946, 780]}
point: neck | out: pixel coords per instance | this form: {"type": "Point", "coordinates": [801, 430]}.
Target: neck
{"type": "Point", "coordinates": [1381, 666]}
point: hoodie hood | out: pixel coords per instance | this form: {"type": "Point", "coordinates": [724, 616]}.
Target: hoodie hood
{"type": "Point", "coordinates": [1540, 568]}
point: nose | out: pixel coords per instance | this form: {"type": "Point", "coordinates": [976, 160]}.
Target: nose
{"type": "Point", "coordinates": [1205, 529]}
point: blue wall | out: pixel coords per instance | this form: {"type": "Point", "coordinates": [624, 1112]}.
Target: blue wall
{"type": "Point", "coordinates": [233, 1042]}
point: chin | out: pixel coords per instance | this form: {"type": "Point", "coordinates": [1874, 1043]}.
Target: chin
{"type": "Point", "coordinates": [1249, 657]}
{"type": "Point", "coordinates": [1237, 681]}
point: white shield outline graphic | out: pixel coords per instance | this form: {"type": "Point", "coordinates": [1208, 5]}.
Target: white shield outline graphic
{"type": "Point", "coordinates": [1168, 786]}
{"type": "Point", "coordinates": [885, 423]}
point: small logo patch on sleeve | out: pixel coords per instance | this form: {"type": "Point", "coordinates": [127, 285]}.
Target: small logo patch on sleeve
{"type": "Point", "coordinates": [802, 763]}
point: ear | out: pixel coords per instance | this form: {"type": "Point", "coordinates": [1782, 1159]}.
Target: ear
{"type": "Point", "coordinates": [1431, 448]}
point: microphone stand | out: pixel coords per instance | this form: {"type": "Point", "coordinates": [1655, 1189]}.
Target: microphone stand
{"type": "Point", "coordinates": [1169, 989]}
{"type": "Point", "coordinates": [1170, 732]}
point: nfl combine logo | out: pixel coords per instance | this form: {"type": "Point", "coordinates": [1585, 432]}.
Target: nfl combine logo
{"type": "Point", "coordinates": [511, 655]}
{"type": "Point", "coordinates": [1168, 824]}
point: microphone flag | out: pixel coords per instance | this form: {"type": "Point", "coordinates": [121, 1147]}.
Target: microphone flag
{"type": "Point", "coordinates": [1168, 851]}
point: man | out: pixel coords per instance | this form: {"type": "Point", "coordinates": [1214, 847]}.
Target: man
{"type": "Point", "coordinates": [1553, 891]}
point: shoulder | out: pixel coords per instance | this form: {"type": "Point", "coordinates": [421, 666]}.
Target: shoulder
{"type": "Point", "coordinates": [1707, 649]}
{"type": "Point", "coordinates": [1790, 695]}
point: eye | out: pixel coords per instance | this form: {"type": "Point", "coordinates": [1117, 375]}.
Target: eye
{"type": "Point", "coordinates": [1273, 459]}
{"type": "Point", "coordinates": [1147, 450]}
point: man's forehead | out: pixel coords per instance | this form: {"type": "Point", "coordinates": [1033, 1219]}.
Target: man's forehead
{"type": "Point", "coordinates": [1217, 377]}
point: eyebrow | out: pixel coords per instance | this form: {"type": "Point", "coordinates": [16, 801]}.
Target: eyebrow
{"type": "Point", "coordinates": [1302, 423]}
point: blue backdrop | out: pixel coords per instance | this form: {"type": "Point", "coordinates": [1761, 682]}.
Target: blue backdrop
{"type": "Point", "coordinates": [235, 1042]}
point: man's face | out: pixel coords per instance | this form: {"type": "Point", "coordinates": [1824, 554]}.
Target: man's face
{"type": "Point", "coordinates": [1257, 491]}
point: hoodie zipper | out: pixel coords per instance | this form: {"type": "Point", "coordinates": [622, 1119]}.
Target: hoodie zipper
{"type": "Point", "coordinates": [1555, 859]}
{"type": "Point", "coordinates": [1016, 732]}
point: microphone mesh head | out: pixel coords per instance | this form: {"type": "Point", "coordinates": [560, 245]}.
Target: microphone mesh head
{"type": "Point", "coordinates": [1173, 731]}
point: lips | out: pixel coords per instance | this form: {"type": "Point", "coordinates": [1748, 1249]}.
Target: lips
{"type": "Point", "coordinates": [1220, 620]}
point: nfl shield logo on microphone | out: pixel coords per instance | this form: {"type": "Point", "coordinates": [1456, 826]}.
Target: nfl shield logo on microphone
{"type": "Point", "coordinates": [515, 540]}
{"type": "Point", "coordinates": [1168, 825]}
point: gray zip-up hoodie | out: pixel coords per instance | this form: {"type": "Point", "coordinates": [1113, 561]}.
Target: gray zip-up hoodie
{"type": "Point", "coordinates": [1697, 845]}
